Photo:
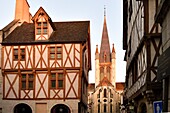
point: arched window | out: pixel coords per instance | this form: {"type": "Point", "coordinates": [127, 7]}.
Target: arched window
{"type": "Point", "coordinates": [101, 70]}
{"type": "Point", "coordinates": [105, 92]}
{"type": "Point", "coordinates": [60, 108]}
{"type": "Point", "coordinates": [108, 70]}
{"type": "Point", "coordinates": [22, 108]}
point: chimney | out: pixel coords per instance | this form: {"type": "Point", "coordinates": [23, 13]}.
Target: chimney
{"type": "Point", "coordinates": [22, 11]}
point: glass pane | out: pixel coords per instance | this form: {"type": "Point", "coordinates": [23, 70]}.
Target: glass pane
{"type": "Point", "coordinates": [39, 24]}
{"type": "Point", "coordinates": [23, 51]}
{"type": "Point", "coordinates": [23, 84]}
{"type": "Point", "coordinates": [60, 84]}
{"type": "Point", "coordinates": [15, 56]}
{"type": "Point", "coordinates": [44, 24]}
{"type": "Point", "coordinates": [60, 76]}
{"type": "Point", "coordinates": [16, 51]}
{"type": "Point", "coordinates": [58, 49]}
{"type": "Point", "coordinates": [23, 75]}
{"type": "Point", "coordinates": [30, 84]}
{"type": "Point", "coordinates": [31, 76]}
{"type": "Point", "coordinates": [53, 84]}
{"type": "Point", "coordinates": [52, 56]}
{"type": "Point", "coordinates": [22, 57]}
{"type": "Point", "coordinates": [38, 31]}
{"type": "Point", "coordinates": [53, 75]}
{"type": "Point", "coordinates": [58, 55]}
{"type": "Point", "coordinates": [52, 49]}
{"type": "Point", "coordinates": [45, 31]}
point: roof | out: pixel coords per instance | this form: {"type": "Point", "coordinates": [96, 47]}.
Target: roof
{"type": "Point", "coordinates": [105, 82]}
{"type": "Point", "coordinates": [10, 24]}
{"type": "Point", "coordinates": [105, 45]}
{"type": "Point", "coordinates": [91, 87]}
{"type": "Point", "coordinates": [75, 31]}
{"type": "Point", "coordinates": [120, 85]}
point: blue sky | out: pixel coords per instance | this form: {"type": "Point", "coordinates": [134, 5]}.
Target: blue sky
{"type": "Point", "coordinates": [79, 10]}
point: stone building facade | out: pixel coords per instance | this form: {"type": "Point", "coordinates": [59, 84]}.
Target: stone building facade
{"type": "Point", "coordinates": [105, 94]}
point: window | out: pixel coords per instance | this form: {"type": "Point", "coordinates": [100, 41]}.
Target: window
{"type": "Point", "coordinates": [57, 80]}
{"type": "Point", "coordinates": [105, 108]}
{"type": "Point", "coordinates": [111, 108]}
{"type": "Point", "coordinates": [41, 28]}
{"type": "Point", "coordinates": [98, 95]}
{"type": "Point", "coordinates": [53, 80]}
{"type": "Point", "coordinates": [60, 80]}
{"type": "Point", "coordinates": [52, 52]}
{"type": "Point", "coordinates": [58, 52]}
{"type": "Point", "coordinates": [98, 108]}
{"type": "Point", "coordinates": [27, 81]}
{"type": "Point", "coordinates": [22, 53]}
{"type": "Point", "coordinates": [55, 53]}
{"type": "Point", "coordinates": [15, 54]}
{"type": "Point", "coordinates": [19, 53]}
{"type": "Point", "coordinates": [105, 93]}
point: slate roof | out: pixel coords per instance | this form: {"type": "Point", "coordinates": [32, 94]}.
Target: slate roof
{"type": "Point", "coordinates": [65, 32]}
{"type": "Point", "coordinates": [105, 45]}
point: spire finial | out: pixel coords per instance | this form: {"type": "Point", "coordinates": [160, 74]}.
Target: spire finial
{"type": "Point", "coordinates": [104, 10]}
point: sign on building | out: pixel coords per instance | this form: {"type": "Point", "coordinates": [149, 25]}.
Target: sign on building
{"type": "Point", "coordinates": [157, 106]}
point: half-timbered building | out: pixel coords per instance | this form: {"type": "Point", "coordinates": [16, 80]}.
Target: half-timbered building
{"type": "Point", "coordinates": [45, 65]}
{"type": "Point", "coordinates": [162, 17]}
{"type": "Point", "coordinates": [142, 42]}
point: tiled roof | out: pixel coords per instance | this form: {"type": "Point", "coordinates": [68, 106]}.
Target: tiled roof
{"type": "Point", "coordinates": [10, 24]}
{"type": "Point", "coordinates": [120, 85]}
{"type": "Point", "coordinates": [75, 31]}
{"type": "Point", "coordinates": [91, 87]}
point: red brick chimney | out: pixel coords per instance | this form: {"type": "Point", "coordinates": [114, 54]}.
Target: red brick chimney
{"type": "Point", "coordinates": [22, 11]}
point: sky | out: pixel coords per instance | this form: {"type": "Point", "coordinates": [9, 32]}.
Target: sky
{"type": "Point", "coordinates": [81, 10]}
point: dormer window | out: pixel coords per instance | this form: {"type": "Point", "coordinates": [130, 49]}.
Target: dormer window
{"type": "Point", "coordinates": [41, 28]}
{"type": "Point", "coordinates": [44, 26]}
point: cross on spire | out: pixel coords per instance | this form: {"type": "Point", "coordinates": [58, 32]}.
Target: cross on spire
{"type": "Point", "coordinates": [104, 10]}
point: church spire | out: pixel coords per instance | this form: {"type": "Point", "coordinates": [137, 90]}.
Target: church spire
{"type": "Point", "coordinates": [105, 46]}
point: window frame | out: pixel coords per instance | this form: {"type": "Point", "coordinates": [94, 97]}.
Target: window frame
{"type": "Point", "coordinates": [55, 52]}
{"type": "Point", "coordinates": [19, 54]}
{"type": "Point", "coordinates": [40, 28]}
{"type": "Point", "coordinates": [15, 54]}
{"type": "Point", "coordinates": [22, 54]}
{"type": "Point", "coordinates": [27, 81]}
{"type": "Point", "coordinates": [56, 79]}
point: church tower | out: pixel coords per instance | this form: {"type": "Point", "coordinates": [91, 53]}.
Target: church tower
{"type": "Point", "coordinates": [105, 61]}
{"type": "Point", "coordinates": [104, 95]}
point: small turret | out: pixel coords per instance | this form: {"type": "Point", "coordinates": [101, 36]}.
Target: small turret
{"type": "Point", "coordinates": [97, 71]}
